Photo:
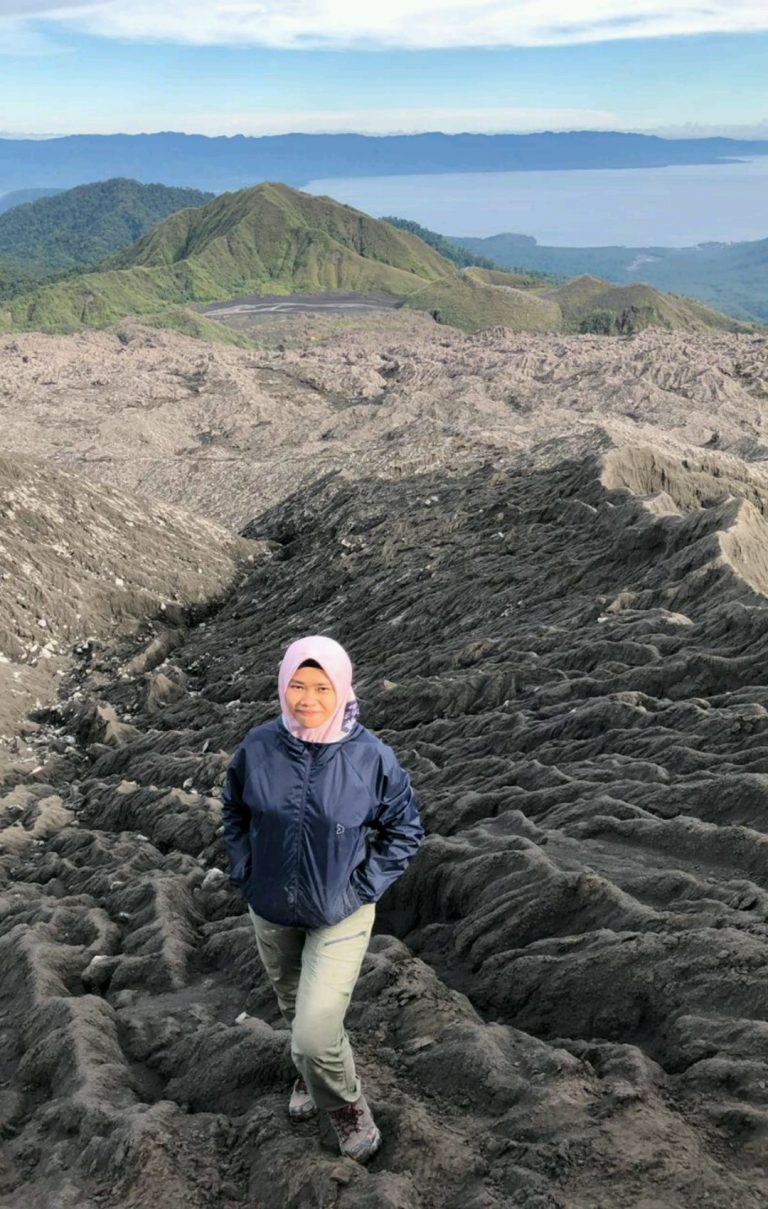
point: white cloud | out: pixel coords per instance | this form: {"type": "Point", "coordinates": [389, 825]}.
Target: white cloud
{"type": "Point", "coordinates": [410, 24]}
{"type": "Point", "coordinates": [22, 38]}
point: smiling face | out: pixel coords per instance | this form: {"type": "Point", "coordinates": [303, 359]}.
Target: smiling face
{"type": "Point", "coordinates": [310, 696]}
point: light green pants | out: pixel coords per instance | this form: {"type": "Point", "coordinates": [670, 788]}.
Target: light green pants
{"type": "Point", "coordinates": [313, 972]}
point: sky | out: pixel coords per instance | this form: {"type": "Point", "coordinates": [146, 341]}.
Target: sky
{"type": "Point", "coordinates": [677, 67]}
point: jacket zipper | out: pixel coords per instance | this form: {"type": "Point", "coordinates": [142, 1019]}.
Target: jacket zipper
{"type": "Point", "coordinates": [300, 834]}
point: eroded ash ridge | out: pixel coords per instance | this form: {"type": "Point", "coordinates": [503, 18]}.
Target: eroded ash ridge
{"type": "Point", "coordinates": [564, 1003]}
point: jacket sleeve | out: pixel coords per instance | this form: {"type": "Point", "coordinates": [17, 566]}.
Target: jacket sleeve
{"type": "Point", "coordinates": [399, 835]}
{"type": "Point", "coordinates": [236, 819]}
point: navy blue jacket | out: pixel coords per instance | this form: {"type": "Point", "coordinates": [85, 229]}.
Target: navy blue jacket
{"type": "Point", "coordinates": [314, 830]}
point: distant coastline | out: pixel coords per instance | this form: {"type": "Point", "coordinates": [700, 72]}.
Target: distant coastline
{"type": "Point", "coordinates": [673, 207]}
{"type": "Point", "coordinates": [222, 164]}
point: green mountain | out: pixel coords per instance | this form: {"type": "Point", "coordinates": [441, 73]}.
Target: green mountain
{"type": "Point", "coordinates": [584, 304]}
{"type": "Point", "coordinates": [464, 257]}
{"type": "Point", "coordinates": [81, 226]}
{"type": "Point", "coordinates": [451, 251]}
{"type": "Point", "coordinates": [19, 197]}
{"type": "Point", "coordinates": [471, 301]}
{"type": "Point", "coordinates": [731, 277]}
{"type": "Point", "coordinates": [274, 235]}
{"type": "Point", "coordinates": [271, 239]}
{"type": "Point", "coordinates": [590, 305]}
{"type": "Point", "coordinates": [266, 239]}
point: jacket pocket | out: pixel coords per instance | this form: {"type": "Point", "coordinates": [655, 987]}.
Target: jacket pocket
{"type": "Point", "coordinates": [340, 939]}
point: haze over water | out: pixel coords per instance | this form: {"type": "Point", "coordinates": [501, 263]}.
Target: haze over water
{"type": "Point", "coordinates": [667, 207]}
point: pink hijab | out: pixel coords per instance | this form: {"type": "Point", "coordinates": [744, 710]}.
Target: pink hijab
{"type": "Point", "coordinates": [337, 666]}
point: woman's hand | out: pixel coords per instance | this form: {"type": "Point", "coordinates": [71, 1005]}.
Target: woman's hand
{"type": "Point", "coordinates": [399, 834]}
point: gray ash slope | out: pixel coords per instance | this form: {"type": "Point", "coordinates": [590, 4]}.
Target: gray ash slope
{"type": "Point", "coordinates": [565, 1004]}
{"type": "Point", "coordinates": [79, 561]}
{"type": "Point", "coordinates": [227, 433]}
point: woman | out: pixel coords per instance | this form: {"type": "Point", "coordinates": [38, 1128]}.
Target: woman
{"type": "Point", "coordinates": [319, 819]}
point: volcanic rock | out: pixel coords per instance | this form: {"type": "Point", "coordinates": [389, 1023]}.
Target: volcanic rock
{"type": "Point", "coordinates": [563, 1004]}
{"type": "Point", "coordinates": [227, 433]}
{"type": "Point", "coordinates": [80, 562]}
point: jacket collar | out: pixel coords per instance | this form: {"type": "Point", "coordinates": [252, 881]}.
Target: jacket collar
{"type": "Point", "coordinates": [299, 746]}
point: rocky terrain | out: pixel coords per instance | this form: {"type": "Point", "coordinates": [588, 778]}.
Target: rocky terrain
{"type": "Point", "coordinates": [80, 562]}
{"type": "Point", "coordinates": [226, 432]}
{"type": "Point", "coordinates": [549, 560]}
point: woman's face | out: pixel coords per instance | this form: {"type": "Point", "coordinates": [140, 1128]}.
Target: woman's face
{"type": "Point", "coordinates": [310, 696]}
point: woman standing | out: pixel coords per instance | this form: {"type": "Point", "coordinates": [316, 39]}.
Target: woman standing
{"type": "Point", "coordinates": [319, 819]}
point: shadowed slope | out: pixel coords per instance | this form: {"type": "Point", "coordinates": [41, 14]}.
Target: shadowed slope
{"type": "Point", "coordinates": [80, 561]}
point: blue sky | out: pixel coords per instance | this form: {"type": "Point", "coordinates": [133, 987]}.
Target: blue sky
{"type": "Point", "coordinates": [130, 65]}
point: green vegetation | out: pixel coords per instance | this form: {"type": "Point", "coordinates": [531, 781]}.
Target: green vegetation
{"type": "Point", "coordinates": [19, 197]}
{"type": "Point", "coordinates": [462, 301]}
{"type": "Point", "coordinates": [266, 239]}
{"type": "Point", "coordinates": [451, 251]}
{"type": "Point", "coordinates": [519, 279]}
{"type": "Point", "coordinates": [590, 305]}
{"type": "Point", "coordinates": [464, 257]}
{"type": "Point", "coordinates": [274, 235]}
{"type": "Point", "coordinates": [14, 281]}
{"type": "Point", "coordinates": [483, 297]}
{"type": "Point", "coordinates": [731, 277]}
{"type": "Point", "coordinates": [271, 239]}
{"type": "Point", "coordinates": [80, 227]}
{"type": "Point", "coordinates": [189, 323]}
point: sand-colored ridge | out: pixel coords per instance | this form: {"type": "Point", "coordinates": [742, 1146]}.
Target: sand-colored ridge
{"type": "Point", "coordinates": [218, 430]}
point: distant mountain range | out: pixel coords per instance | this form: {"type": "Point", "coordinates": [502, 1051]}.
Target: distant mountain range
{"type": "Point", "coordinates": [219, 164]}
{"type": "Point", "coordinates": [273, 239]}
{"type": "Point", "coordinates": [733, 277]}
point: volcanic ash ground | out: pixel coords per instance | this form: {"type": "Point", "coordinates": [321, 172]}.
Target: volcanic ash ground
{"type": "Point", "coordinates": [565, 1003]}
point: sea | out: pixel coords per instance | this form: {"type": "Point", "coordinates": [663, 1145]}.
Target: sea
{"type": "Point", "coordinates": [636, 207]}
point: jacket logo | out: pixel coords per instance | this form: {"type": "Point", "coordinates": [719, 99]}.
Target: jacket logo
{"type": "Point", "coordinates": [339, 829]}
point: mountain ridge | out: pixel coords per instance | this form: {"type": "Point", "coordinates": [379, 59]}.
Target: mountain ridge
{"type": "Point", "coordinates": [728, 276]}
{"type": "Point", "coordinates": [82, 226]}
{"type": "Point", "coordinates": [20, 197]}
{"type": "Point", "coordinates": [274, 239]}
{"type": "Point", "coordinates": [232, 162]}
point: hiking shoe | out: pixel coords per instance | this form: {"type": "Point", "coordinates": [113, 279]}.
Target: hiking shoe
{"type": "Point", "coordinates": [356, 1131]}
{"type": "Point", "coordinates": [301, 1106]}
